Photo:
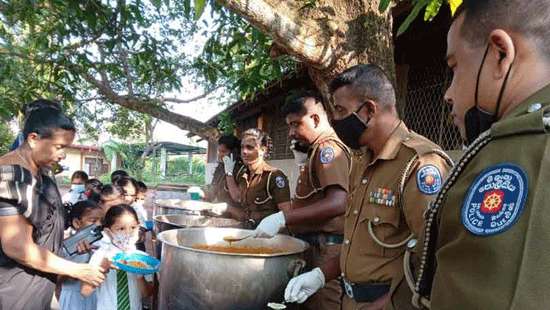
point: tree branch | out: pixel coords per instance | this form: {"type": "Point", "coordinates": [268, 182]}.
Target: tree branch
{"type": "Point", "coordinates": [177, 100]}
{"type": "Point", "coordinates": [300, 38]}
{"type": "Point", "coordinates": [149, 107]}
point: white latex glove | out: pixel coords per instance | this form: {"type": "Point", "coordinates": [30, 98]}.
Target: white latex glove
{"type": "Point", "coordinates": [228, 164]}
{"type": "Point", "coordinates": [270, 225]}
{"type": "Point", "coordinates": [219, 208]}
{"type": "Point", "coordinates": [300, 288]}
{"type": "Point", "coordinates": [300, 158]}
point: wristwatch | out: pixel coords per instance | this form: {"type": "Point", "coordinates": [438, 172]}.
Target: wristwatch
{"type": "Point", "coordinates": [229, 174]}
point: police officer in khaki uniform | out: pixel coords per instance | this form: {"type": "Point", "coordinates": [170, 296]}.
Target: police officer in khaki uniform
{"type": "Point", "coordinates": [218, 191]}
{"type": "Point", "coordinates": [317, 211]}
{"type": "Point", "coordinates": [487, 233]}
{"type": "Point", "coordinates": [260, 189]}
{"type": "Point", "coordinates": [395, 177]}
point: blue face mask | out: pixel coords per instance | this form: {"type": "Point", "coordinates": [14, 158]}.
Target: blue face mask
{"type": "Point", "coordinates": [78, 188]}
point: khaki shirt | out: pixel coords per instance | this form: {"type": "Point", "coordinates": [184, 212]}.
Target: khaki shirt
{"type": "Point", "coordinates": [376, 201]}
{"type": "Point", "coordinates": [218, 191]}
{"type": "Point", "coordinates": [262, 190]}
{"type": "Point", "coordinates": [490, 239]}
{"type": "Point", "coordinates": [328, 164]}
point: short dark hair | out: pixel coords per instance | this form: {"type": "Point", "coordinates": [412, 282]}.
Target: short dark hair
{"type": "Point", "coordinates": [294, 103]}
{"type": "Point", "coordinates": [79, 174]}
{"type": "Point", "coordinates": [93, 185]}
{"type": "Point", "coordinates": [123, 182]}
{"type": "Point", "coordinates": [530, 18]}
{"type": "Point", "coordinates": [108, 191]}
{"type": "Point", "coordinates": [117, 174]}
{"type": "Point", "coordinates": [39, 104]}
{"type": "Point", "coordinates": [230, 141]}
{"type": "Point", "coordinates": [368, 82]}
{"type": "Point", "coordinates": [117, 211]}
{"type": "Point", "coordinates": [45, 121]}
{"type": "Point", "coordinates": [79, 209]}
{"type": "Point", "coordinates": [93, 189]}
{"type": "Point", "coordinates": [141, 187]}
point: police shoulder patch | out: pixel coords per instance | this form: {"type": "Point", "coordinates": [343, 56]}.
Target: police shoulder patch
{"type": "Point", "coordinates": [495, 201]}
{"type": "Point", "coordinates": [429, 180]}
{"type": "Point", "coordinates": [326, 155]}
{"type": "Point", "coordinates": [280, 181]}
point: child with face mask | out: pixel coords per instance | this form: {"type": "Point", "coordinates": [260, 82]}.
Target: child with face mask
{"type": "Point", "coordinates": [142, 214]}
{"type": "Point", "coordinates": [78, 188]}
{"type": "Point", "coordinates": [82, 214]}
{"type": "Point", "coordinates": [120, 290]}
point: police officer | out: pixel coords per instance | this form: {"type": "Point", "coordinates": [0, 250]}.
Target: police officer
{"type": "Point", "coordinates": [317, 211]}
{"type": "Point", "coordinates": [218, 191]}
{"type": "Point", "coordinates": [260, 189]}
{"type": "Point", "coordinates": [487, 233]}
{"type": "Point", "coordinates": [395, 176]}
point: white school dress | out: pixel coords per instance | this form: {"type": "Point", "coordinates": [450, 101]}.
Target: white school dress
{"type": "Point", "coordinates": [107, 292]}
{"type": "Point", "coordinates": [70, 297]}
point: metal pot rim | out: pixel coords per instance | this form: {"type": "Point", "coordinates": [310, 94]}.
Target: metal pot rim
{"type": "Point", "coordinates": [159, 219]}
{"type": "Point", "coordinates": [162, 238]}
{"type": "Point", "coordinates": [206, 205]}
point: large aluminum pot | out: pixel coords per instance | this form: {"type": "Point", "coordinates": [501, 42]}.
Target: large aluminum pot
{"type": "Point", "coordinates": [181, 206]}
{"type": "Point", "coordinates": [200, 279]}
{"type": "Point", "coordinates": [175, 221]}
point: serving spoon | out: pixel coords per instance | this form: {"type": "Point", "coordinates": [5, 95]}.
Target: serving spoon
{"type": "Point", "coordinates": [232, 239]}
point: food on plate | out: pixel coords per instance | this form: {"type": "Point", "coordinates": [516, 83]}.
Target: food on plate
{"type": "Point", "coordinates": [135, 264]}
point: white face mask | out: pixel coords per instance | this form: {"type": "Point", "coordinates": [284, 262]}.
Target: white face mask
{"type": "Point", "coordinates": [138, 203]}
{"type": "Point", "coordinates": [78, 188]}
{"type": "Point", "coordinates": [124, 241]}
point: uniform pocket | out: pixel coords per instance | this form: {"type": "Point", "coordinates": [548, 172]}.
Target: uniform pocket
{"type": "Point", "coordinates": [382, 225]}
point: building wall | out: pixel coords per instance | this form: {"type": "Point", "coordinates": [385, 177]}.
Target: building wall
{"type": "Point", "coordinates": [76, 160]}
{"type": "Point", "coordinates": [72, 161]}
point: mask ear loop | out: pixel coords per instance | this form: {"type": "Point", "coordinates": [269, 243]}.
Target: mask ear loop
{"type": "Point", "coordinates": [357, 115]}
{"type": "Point", "coordinates": [501, 93]}
{"type": "Point", "coordinates": [479, 74]}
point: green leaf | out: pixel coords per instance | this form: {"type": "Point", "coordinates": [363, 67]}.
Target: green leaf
{"type": "Point", "coordinates": [383, 6]}
{"type": "Point", "coordinates": [420, 4]}
{"type": "Point", "coordinates": [432, 9]}
{"type": "Point", "coordinates": [199, 8]}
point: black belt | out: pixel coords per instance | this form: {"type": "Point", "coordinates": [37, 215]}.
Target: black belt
{"type": "Point", "coordinates": [321, 238]}
{"type": "Point", "coordinates": [369, 292]}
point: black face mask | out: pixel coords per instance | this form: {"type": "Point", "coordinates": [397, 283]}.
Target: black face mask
{"type": "Point", "coordinates": [476, 120]}
{"type": "Point", "coordinates": [350, 129]}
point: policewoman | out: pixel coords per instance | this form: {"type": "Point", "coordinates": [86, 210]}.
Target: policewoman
{"type": "Point", "coordinates": [395, 176]}
{"type": "Point", "coordinates": [260, 189]}
{"type": "Point", "coordinates": [317, 210]}
{"type": "Point", "coordinates": [217, 191]}
{"type": "Point", "coordinates": [487, 233]}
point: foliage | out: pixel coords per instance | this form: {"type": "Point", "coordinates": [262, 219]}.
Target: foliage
{"type": "Point", "coordinates": [227, 124]}
{"type": "Point", "coordinates": [148, 168]}
{"type": "Point", "coordinates": [177, 171]}
{"type": "Point", "coordinates": [6, 138]}
{"type": "Point", "coordinates": [431, 10]}
{"type": "Point", "coordinates": [129, 154]}
{"type": "Point", "coordinates": [141, 49]}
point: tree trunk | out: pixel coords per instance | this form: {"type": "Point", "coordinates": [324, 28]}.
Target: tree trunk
{"type": "Point", "coordinates": [328, 37]}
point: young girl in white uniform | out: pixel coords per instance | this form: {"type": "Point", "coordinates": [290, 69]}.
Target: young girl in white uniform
{"type": "Point", "coordinates": [120, 233]}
